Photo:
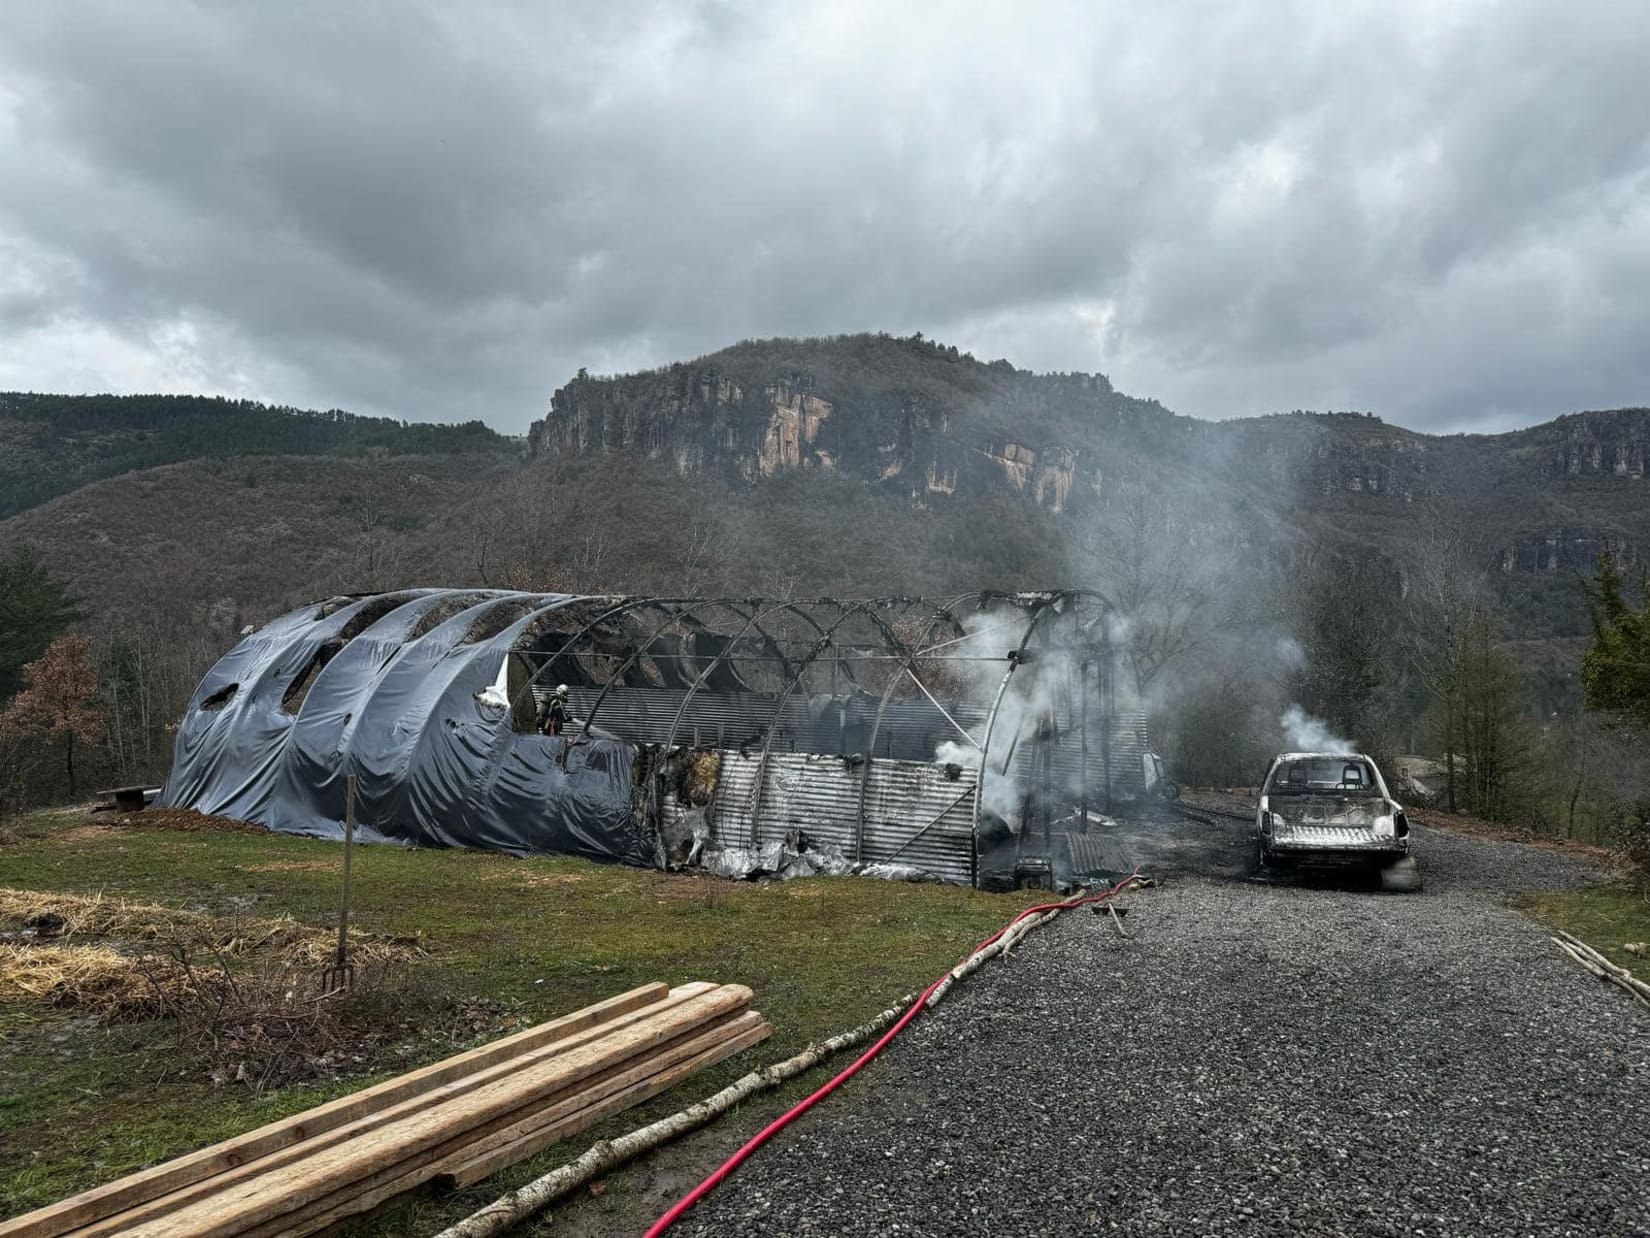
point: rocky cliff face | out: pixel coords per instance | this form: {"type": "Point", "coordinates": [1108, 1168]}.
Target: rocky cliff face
{"type": "Point", "coordinates": [919, 422]}
{"type": "Point", "coordinates": [1613, 444]}
{"type": "Point", "coordinates": [703, 419]}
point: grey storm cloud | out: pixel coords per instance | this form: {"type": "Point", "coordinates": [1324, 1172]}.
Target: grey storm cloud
{"type": "Point", "coordinates": [1435, 212]}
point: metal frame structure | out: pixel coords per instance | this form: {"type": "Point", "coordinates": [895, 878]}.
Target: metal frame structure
{"type": "Point", "coordinates": [420, 695]}
{"type": "Point", "coordinates": [900, 638]}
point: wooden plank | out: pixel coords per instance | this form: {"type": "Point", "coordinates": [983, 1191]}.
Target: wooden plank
{"type": "Point", "coordinates": [567, 1118]}
{"type": "Point", "coordinates": [428, 1098]}
{"type": "Point", "coordinates": [616, 1081]}
{"type": "Point", "coordinates": [425, 1133]}
{"type": "Point", "coordinates": [416, 1147]}
{"type": "Point", "coordinates": [102, 1201]}
{"type": "Point", "coordinates": [534, 1140]}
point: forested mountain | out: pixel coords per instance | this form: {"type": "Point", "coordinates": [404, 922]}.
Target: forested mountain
{"type": "Point", "coordinates": [854, 465]}
{"type": "Point", "coordinates": [935, 429]}
{"type": "Point", "coordinates": [52, 444]}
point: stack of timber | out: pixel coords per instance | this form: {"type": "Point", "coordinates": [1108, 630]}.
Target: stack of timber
{"type": "Point", "coordinates": [447, 1125]}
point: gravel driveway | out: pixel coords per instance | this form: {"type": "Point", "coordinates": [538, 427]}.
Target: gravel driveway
{"type": "Point", "coordinates": [1256, 1059]}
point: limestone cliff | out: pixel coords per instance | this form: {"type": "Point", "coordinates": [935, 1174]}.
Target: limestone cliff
{"type": "Point", "coordinates": [927, 426]}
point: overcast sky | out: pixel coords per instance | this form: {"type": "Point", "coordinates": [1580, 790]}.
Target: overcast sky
{"type": "Point", "coordinates": [1439, 212]}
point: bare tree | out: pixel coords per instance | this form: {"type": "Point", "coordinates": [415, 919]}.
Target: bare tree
{"type": "Point", "coordinates": [1444, 596]}
{"type": "Point", "coordinates": [1154, 562]}
{"type": "Point", "coordinates": [59, 700]}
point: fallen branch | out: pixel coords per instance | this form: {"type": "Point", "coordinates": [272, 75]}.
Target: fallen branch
{"type": "Point", "coordinates": [604, 1157]}
{"type": "Point", "coordinates": [609, 1154]}
{"type": "Point", "coordinates": [1591, 960]}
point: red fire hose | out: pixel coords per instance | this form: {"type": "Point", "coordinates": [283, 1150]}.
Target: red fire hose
{"type": "Point", "coordinates": [801, 1107]}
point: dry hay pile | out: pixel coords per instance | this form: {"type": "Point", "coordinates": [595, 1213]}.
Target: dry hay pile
{"type": "Point", "coordinates": [241, 996]}
{"type": "Point", "coordinates": [94, 979]}
{"type": "Point", "coordinates": [263, 1026]}
{"type": "Point", "coordinates": [178, 960]}
{"type": "Point", "coordinates": [96, 915]}
{"type": "Point", "coordinates": [53, 915]}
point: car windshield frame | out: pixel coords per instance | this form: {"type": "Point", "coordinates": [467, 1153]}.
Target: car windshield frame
{"type": "Point", "coordinates": [1324, 776]}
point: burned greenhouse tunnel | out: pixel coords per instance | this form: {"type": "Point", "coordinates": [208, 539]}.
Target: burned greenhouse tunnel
{"type": "Point", "coordinates": [741, 733]}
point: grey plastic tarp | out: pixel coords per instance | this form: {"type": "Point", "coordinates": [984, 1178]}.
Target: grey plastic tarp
{"type": "Point", "coordinates": [434, 765]}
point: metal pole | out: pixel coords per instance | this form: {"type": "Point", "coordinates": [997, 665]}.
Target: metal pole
{"type": "Point", "coordinates": [1083, 731]}
{"type": "Point", "coordinates": [349, 852]}
{"type": "Point", "coordinates": [959, 727]}
{"type": "Point", "coordinates": [1108, 714]}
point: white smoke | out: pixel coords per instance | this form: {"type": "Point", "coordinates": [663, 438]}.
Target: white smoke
{"type": "Point", "coordinates": [1308, 734]}
{"type": "Point", "coordinates": [1287, 653]}
{"type": "Point", "coordinates": [1032, 693]}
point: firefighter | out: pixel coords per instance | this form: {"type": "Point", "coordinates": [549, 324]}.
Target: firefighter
{"type": "Point", "coordinates": [555, 711]}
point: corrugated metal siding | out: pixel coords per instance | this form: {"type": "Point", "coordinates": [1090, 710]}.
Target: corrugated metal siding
{"type": "Point", "coordinates": [1129, 747]}
{"type": "Point", "coordinates": [819, 795]}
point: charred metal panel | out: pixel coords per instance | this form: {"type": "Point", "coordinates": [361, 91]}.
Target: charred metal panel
{"type": "Point", "coordinates": [916, 813]}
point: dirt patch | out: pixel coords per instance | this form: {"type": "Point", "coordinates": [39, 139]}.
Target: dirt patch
{"type": "Point", "coordinates": [185, 819]}
{"type": "Point", "coordinates": [88, 833]}
{"type": "Point", "coordinates": [534, 879]}
{"type": "Point", "coordinates": [294, 866]}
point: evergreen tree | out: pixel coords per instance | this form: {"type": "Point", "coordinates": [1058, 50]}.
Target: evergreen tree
{"type": "Point", "coordinates": [35, 609]}
{"type": "Point", "coordinates": [1615, 670]}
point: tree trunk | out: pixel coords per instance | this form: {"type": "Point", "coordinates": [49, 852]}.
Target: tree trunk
{"type": "Point", "coordinates": [1449, 736]}
{"type": "Point", "coordinates": [68, 761]}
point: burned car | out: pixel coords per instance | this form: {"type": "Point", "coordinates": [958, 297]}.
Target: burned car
{"type": "Point", "coordinates": [1322, 808]}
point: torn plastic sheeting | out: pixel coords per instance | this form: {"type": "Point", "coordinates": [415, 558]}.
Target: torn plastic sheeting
{"type": "Point", "coordinates": [435, 763]}
{"type": "Point", "coordinates": [800, 856]}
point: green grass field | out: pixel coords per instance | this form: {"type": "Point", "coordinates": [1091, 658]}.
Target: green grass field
{"type": "Point", "coordinates": [82, 1102]}
{"type": "Point", "coordinates": [1605, 917]}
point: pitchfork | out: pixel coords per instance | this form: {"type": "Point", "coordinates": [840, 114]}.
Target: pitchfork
{"type": "Point", "coordinates": [341, 975]}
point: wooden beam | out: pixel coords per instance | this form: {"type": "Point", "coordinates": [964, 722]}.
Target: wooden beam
{"type": "Point", "coordinates": [123, 1193]}
{"type": "Point", "coordinates": [424, 1134]}
{"type": "Point", "coordinates": [613, 1082]}
{"type": "Point", "coordinates": [533, 1141]}
{"type": "Point", "coordinates": [439, 1094]}
{"type": "Point", "coordinates": [578, 1112]}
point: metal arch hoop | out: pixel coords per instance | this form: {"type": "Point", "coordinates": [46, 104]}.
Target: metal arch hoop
{"type": "Point", "coordinates": [681, 710]}
{"type": "Point", "coordinates": [625, 603]}
{"type": "Point", "coordinates": [675, 611]}
{"type": "Point", "coordinates": [1043, 608]}
{"type": "Point", "coordinates": [683, 613]}
{"type": "Point", "coordinates": [824, 643]}
{"type": "Point", "coordinates": [943, 611]}
{"type": "Point", "coordinates": [753, 603]}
